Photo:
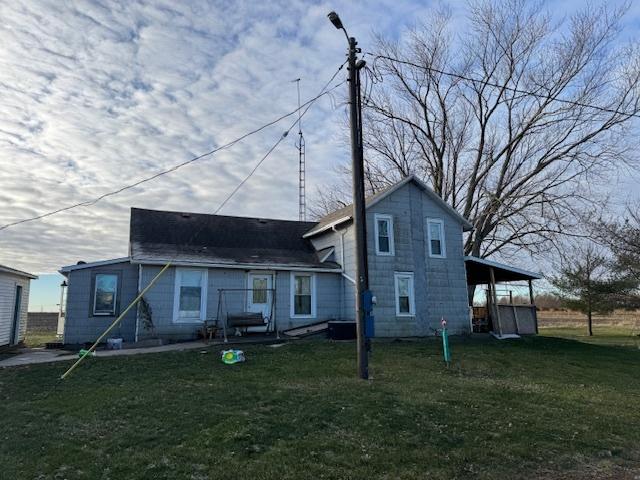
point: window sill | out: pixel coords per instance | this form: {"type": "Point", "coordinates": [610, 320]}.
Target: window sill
{"type": "Point", "coordinates": [187, 320]}
{"type": "Point", "coordinates": [302, 316]}
{"type": "Point", "coordinates": [405, 315]}
{"type": "Point", "coordinates": [385, 254]}
{"type": "Point", "coordinates": [437, 256]}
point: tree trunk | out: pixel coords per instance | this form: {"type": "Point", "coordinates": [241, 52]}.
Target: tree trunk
{"type": "Point", "coordinates": [590, 322]}
{"type": "Point", "coordinates": [471, 292]}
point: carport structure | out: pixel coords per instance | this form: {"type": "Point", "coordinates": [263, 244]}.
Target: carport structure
{"type": "Point", "coordinates": [503, 319]}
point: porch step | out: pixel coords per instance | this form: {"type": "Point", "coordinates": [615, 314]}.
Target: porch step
{"type": "Point", "coordinates": [305, 330]}
{"type": "Point", "coordinates": [505, 336]}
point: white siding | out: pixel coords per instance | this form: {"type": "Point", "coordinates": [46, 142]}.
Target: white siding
{"type": "Point", "coordinates": [8, 283]}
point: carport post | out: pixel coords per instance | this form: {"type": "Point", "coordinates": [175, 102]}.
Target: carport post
{"type": "Point", "coordinates": [531, 293]}
{"type": "Point", "coordinates": [494, 296]}
{"type": "Point", "coordinates": [533, 304]}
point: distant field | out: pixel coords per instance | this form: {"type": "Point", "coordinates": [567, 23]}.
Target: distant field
{"type": "Point", "coordinates": [619, 328]}
{"type": "Point", "coordinates": [619, 318]}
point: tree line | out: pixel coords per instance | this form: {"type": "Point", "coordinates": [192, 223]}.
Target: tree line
{"type": "Point", "coordinates": [602, 273]}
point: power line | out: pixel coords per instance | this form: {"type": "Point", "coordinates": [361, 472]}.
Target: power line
{"type": "Point", "coordinates": [92, 202]}
{"type": "Point", "coordinates": [197, 232]}
{"type": "Point", "coordinates": [505, 87]}
{"type": "Point", "coordinates": [286, 132]}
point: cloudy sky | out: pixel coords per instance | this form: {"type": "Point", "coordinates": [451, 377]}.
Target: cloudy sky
{"type": "Point", "coordinates": [95, 95]}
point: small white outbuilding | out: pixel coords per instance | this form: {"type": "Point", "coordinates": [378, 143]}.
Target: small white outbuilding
{"type": "Point", "coordinates": [14, 302]}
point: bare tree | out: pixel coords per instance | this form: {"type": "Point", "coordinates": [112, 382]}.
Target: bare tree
{"type": "Point", "coordinates": [330, 197]}
{"type": "Point", "coordinates": [499, 119]}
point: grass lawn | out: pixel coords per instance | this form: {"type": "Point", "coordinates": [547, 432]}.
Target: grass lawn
{"type": "Point", "coordinates": [532, 408]}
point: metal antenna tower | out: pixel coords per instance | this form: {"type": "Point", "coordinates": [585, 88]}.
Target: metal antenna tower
{"type": "Point", "coordinates": [302, 198]}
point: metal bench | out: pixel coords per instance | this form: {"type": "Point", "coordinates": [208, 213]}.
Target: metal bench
{"type": "Point", "coordinates": [245, 319]}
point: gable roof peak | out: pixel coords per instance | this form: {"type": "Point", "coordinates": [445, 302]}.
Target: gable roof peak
{"type": "Point", "coordinates": [345, 213]}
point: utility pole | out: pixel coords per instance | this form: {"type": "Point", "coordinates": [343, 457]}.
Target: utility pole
{"type": "Point", "coordinates": [364, 318]}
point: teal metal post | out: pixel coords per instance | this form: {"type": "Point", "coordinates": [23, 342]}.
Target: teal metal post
{"type": "Point", "coordinates": [445, 343]}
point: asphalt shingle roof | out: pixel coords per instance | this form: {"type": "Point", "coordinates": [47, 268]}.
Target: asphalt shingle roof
{"type": "Point", "coordinates": [201, 238]}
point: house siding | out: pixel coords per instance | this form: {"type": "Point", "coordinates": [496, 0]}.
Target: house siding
{"type": "Point", "coordinates": [8, 284]}
{"type": "Point", "coordinates": [80, 325]}
{"type": "Point", "coordinates": [440, 287]}
{"type": "Point", "coordinates": [161, 298]}
{"type": "Point", "coordinates": [346, 287]}
{"type": "Point", "coordinates": [440, 284]}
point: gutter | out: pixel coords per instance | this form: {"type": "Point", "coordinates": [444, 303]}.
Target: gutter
{"type": "Point", "coordinates": [101, 263]}
{"type": "Point", "coordinates": [328, 226]}
{"type": "Point", "coordinates": [241, 266]}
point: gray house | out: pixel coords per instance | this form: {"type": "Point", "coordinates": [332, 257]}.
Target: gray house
{"type": "Point", "coordinates": [285, 273]}
{"type": "Point", "coordinates": [14, 302]}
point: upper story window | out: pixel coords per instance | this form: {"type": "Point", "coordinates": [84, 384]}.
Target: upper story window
{"type": "Point", "coordinates": [384, 234]}
{"type": "Point", "coordinates": [405, 297]}
{"type": "Point", "coordinates": [190, 297]}
{"type": "Point", "coordinates": [303, 295]}
{"type": "Point", "coordinates": [435, 237]}
{"type": "Point", "coordinates": [105, 294]}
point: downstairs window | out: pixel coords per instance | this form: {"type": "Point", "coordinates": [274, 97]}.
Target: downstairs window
{"type": "Point", "coordinates": [105, 294]}
{"type": "Point", "coordinates": [190, 300]}
{"type": "Point", "coordinates": [405, 301]}
{"type": "Point", "coordinates": [303, 295]}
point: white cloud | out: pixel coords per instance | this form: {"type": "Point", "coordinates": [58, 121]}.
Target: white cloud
{"type": "Point", "coordinates": [99, 94]}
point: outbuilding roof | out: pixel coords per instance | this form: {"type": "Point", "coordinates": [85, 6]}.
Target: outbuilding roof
{"type": "Point", "coordinates": [345, 214]}
{"type": "Point", "coordinates": [202, 239]}
{"type": "Point", "coordinates": [20, 273]}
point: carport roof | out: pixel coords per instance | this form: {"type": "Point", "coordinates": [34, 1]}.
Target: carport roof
{"type": "Point", "coordinates": [478, 272]}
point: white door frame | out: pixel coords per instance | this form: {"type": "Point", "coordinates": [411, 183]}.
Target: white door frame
{"type": "Point", "coordinates": [260, 307]}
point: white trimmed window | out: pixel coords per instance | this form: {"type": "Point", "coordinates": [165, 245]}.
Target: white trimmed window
{"type": "Point", "coordinates": [384, 234]}
{"type": "Point", "coordinates": [190, 299]}
{"type": "Point", "coordinates": [405, 297]}
{"type": "Point", "coordinates": [435, 238]}
{"type": "Point", "coordinates": [105, 294]}
{"type": "Point", "coordinates": [303, 295]}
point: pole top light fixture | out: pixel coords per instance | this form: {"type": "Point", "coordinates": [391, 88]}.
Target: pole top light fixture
{"type": "Point", "coordinates": [335, 19]}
